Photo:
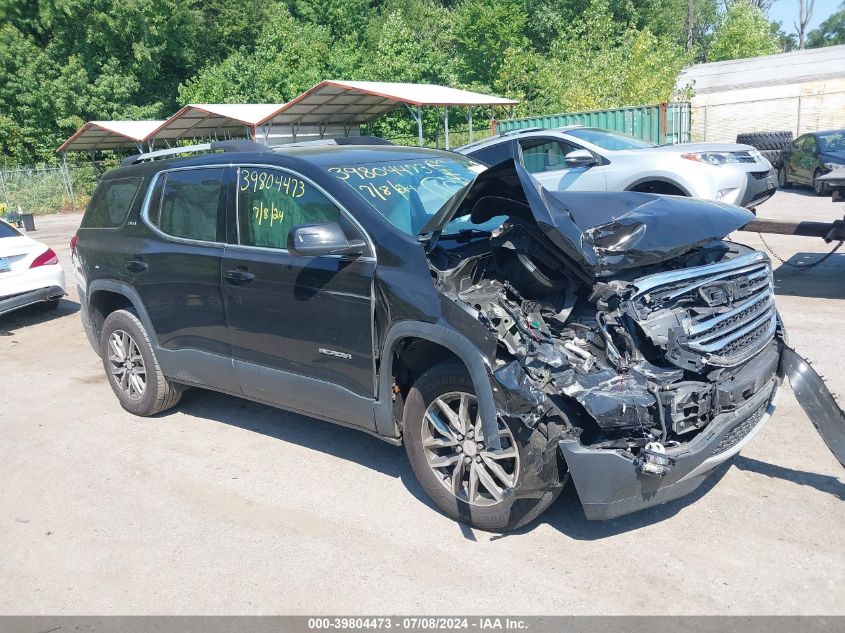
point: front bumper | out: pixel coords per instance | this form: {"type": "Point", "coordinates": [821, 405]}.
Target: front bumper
{"type": "Point", "coordinates": [759, 187]}
{"type": "Point", "coordinates": [609, 484]}
{"type": "Point", "coordinates": [23, 299]}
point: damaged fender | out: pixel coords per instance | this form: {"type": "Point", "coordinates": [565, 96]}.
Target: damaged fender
{"type": "Point", "coordinates": [816, 400]}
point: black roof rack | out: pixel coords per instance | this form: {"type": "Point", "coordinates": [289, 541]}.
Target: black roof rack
{"type": "Point", "coordinates": [216, 146]}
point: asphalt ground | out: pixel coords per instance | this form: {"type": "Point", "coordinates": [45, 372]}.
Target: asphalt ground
{"type": "Point", "coordinates": [225, 506]}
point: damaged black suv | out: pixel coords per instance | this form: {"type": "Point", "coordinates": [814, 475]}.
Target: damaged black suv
{"type": "Point", "coordinates": [510, 337]}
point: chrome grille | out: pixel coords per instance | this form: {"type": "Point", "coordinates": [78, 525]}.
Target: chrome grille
{"type": "Point", "coordinates": [724, 314]}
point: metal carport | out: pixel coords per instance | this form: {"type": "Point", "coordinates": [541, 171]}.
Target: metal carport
{"type": "Point", "coordinates": [350, 103]}
{"type": "Point", "coordinates": [216, 121]}
{"type": "Point", "coordinates": [110, 135]}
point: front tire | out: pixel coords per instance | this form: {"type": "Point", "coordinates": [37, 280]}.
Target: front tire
{"type": "Point", "coordinates": [446, 448]}
{"type": "Point", "coordinates": [131, 366]}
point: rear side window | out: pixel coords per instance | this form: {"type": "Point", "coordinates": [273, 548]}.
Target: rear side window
{"type": "Point", "coordinates": [111, 203]}
{"type": "Point", "coordinates": [191, 204]}
{"type": "Point", "coordinates": [272, 201]}
{"type": "Point", "coordinates": [493, 154]}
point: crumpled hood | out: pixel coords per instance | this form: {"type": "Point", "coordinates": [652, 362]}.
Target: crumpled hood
{"type": "Point", "coordinates": [601, 232]}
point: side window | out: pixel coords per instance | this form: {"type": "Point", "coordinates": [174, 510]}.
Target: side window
{"type": "Point", "coordinates": [273, 201]}
{"type": "Point", "coordinates": [494, 154]}
{"type": "Point", "coordinates": [544, 155]}
{"type": "Point", "coordinates": [111, 203]}
{"type": "Point", "coordinates": [810, 144]}
{"type": "Point", "coordinates": [190, 204]}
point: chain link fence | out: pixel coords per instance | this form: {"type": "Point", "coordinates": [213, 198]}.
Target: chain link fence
{"type": "Point", "coordinates": [49, 188]}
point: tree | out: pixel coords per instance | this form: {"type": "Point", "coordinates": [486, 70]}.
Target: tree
{"type": "Point", "coordinates": [830, 32]}
{"type": "Point", "coordinates": [805, 14]}
{"type": "Point", "coordinates": [484, 30]}
{"type": "Point", "coordinates": [743, 32]}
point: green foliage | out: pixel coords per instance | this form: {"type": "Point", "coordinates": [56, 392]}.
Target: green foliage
{"type": "Point", "coordinates": [743, 32]}
{"type": "Point", "coordinates": [63, 62]}
{"type": "Point", "coordinates": [830, 32]}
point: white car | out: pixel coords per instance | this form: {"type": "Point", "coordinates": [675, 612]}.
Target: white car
{"type": "Point", "coordinates": [591, 159]}
{"type": "Point", "coordinates": [30, 272]}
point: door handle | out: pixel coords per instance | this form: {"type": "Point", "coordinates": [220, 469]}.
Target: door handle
{"type": "Point", "coordinates": [136, 265]}
{"type": "Point", "coordinates": [239, 277]}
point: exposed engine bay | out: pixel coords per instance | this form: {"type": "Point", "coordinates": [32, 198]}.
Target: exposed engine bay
{"type": "Point", "coordinates": [641, 363]}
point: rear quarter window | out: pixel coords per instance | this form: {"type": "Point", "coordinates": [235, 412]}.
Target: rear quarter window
{"type": "Point", "coordinates": [110, 203]}
{"type": "Point", "coordinates": [7, 230]}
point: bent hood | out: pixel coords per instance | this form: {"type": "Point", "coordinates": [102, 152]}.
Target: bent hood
{"type": "Point", "coordinates": [603, 233]}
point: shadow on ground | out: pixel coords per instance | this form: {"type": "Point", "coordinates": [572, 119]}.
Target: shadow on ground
{"type": "Point", "coordinates": [565, 515]}
{"type": "Point", "coordinates": [34, 314]}
{"type": "Point", "coordinates": [825, 281]}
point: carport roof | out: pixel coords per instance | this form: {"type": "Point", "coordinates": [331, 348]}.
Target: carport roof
{"type": "Point", "coordinates": [207, 119]}
{"type": "Point", "coordinates": [353, 102]}
{"type": "Point", "coordinates": [98, 135]}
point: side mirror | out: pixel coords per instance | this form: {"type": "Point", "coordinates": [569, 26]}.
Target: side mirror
{"type": "Point", "coordinates": [326, 238]}
{"type": "Point", "coordinates": [580, 158]}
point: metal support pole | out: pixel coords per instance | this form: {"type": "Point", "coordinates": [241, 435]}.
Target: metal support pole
{"type": "Point", "coordinates": [68, 181]}
{"type": "Point", "coordinates": [446, 124]}
{"type": "Point", "coordinates": [419, 125]}
{"type": "Point", "coordinates": [5, 192]}
{"type": "Point", "coordinates": [469, 120]}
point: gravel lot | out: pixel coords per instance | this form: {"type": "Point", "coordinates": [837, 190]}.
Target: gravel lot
{"type": "Point", "coordinates": [224, 506]}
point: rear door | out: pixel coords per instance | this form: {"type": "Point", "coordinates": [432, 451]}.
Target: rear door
{"type": "Point", "coordinates": [545, 158]}
{"type": "Point", "coordinates": [177, 271]}
{"type": "Point", "coordinates": [301, 327]}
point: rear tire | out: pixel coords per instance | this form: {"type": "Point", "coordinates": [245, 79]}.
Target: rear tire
{"type": "Point", "coordinates": [783, 182]}
{"type": "Point", "coordinates": [132, 368]}
{"type": "Point", "coordinates": [477, 506]}
{"type": "Point", "coordinates": [819, 188]}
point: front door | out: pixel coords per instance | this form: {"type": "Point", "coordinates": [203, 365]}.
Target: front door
{"type": "Point", "coordinates": [301, 327]}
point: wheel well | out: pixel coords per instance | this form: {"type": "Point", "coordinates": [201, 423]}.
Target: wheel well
{"type": "Point", "coordinates": [103, 303]}
{"type": "Point", "coordinates": [412, 356]}
{"type": "Point", "coordinates": [659, 186]}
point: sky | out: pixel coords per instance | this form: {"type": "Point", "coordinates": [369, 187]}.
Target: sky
{"type": "Point", "coordinates": [786, 12]}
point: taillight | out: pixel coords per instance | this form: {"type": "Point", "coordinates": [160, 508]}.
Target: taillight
{"type": "Point", "coordinates": [47, 258]}
{"type": "Point", "coordinates": [73, 242]}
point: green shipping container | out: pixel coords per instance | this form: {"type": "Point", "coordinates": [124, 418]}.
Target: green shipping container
{"type": "Point", "coordinates": [659, 124]}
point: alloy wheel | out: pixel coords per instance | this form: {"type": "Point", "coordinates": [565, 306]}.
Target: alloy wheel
{"type": "Point", "coordinates": [818, 186]}
{"type": "Point", "coordinates": [781, 176]}
{"type": "Point", "coordinates": [454, 447]}
{"type": "Point", "coordinates": [127, 364]}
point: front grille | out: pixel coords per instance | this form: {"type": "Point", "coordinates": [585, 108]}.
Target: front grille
{"type": "Point", "coordinates": [760, 175]}
{"type": "Point", "coordinates": [738, 432]}
{"type": "Point", "coordinates": [744, 157]}
{"type": "Point", "coordinates": [726, 312]}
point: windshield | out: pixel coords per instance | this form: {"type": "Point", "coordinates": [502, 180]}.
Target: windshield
{"type": "Point", "coordinates": [834, 142]}
{"type": "Point", "coordinates": [408, 192]}
{"type": "Point", "coordinates": [607, 139]}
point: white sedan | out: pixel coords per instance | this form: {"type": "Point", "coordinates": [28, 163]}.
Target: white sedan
{"type": "Point", "coordinates": [30, 272]}
{"type": "Point", "coordinates": [590, 159]}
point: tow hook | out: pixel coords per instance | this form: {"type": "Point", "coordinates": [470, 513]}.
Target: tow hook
{"type": "Point", "coordinates": [653, 460]}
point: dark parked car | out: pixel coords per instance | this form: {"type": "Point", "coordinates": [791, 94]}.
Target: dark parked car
{"type": "Point", "coordinates": [812, 156]}
{"type": "Point", "coordinates": [509, 336]}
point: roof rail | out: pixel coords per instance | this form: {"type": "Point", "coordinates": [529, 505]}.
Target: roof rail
{"type": "Point", "coordinates": [340, 140]}
{"type": "Point", "coordinates": [216, 146]}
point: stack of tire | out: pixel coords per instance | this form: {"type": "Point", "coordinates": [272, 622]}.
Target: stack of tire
{"type": "Point", "coordinates": [770, 144]}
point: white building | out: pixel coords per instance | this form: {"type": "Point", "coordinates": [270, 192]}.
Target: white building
{"type": "Point", "coordinates": [802, 91]}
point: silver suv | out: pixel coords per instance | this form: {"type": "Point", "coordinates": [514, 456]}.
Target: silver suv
{"type": "Point", "coordinates": [591, 159]}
